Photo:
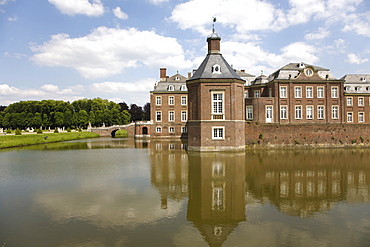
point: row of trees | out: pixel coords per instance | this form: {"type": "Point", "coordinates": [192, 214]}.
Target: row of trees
{"type": "Point", "coordinates": [78, 114]}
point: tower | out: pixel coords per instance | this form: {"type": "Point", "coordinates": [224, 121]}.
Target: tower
{"type": "Point", "coordinates": [216, 104]}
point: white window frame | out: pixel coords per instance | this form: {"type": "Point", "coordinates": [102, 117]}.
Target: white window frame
{"type": "Point", "coordinates": [283, 91]}
{"type": "Point", "coordinates": [184, 116]}
{"type": "Point", "coordinates": [184, 129]}
{"type": "Point", "coordinates": [283, 112]}
{"type": "Point", "coordinates": [218, 105]}
{"type": "Point", "coordinates": [320, 112]}
{"type": "Point", "coordinates": [257, 93]}
{"type": "Point", "coordinates": [361, 117]}
{"type": "Point", "coordinates": [309, 92]}
{"type": "Point", "coordinates": [171, 100]}
{"type": "Point", "coordinates": [249, 112]}
{"type": "Point", "coordinates": [320, 92]}
{"type": "Point", "coordinates": [360, 101]}
{"type": "Point", "coordinates": [335, 112]}
{"type": "Point", "coordinates": [158, 129]}
{"type": "Point", "coordinates": [158, 116]}
{"type": "Point", "coordinates": [298, 112]}
{"type": "Point", "coordinates": [171, 116]}
{"type": "Point", "coordinates": [158, 100]}
{"type": "Point", "coordinates": [349, 101]}
{"type": "Point", "coordinates": [298, 92]}
{"type": "Point", "coordinates": [334, 92]}
{"type": "Point", "coordinates": [171, 129]}
{"type": "Point", "coordinates": [216, 134]}
{"type": "Point", "coordinates": [183, 88]}
{"type": "Point", "coordinates": [349, 117]}
{"type": "Point", "coordinates": [309, 112]}
{"type": "Point", "coordinates": [171, 88]}
{"type": "Point", "coordinates": [184, 100]}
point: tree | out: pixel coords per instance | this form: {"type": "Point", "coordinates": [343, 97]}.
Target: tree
{"type": "Point", "coordinates": [136, 112]}
{"type": "Point", "coordinates": [59, 119]}
{"type": "Point", "coordinates": [146, 112]}
{"type": "Point", "coordinates": [124, 106]}
{"type": "Point", "coordinates": [82, 119]}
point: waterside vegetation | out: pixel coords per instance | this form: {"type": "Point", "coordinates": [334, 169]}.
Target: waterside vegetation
{"type": "Point", "coordinates": [8, 141]}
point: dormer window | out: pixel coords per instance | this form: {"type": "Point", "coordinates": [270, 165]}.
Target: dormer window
{"type": "Point", "coordinates": [171, 88]}
{"type": "Point", "coordinates": [308, 72]}
{"type": "Point", "coordinates": [363, 79]}
{"type": "Point", "coordinates": [183, 88]}
{"type": "Point", "coordinates": [177, 78]}
{"type": "Point", "coordinates": [357, 88]}
{"type": "Point", "coordinates": [216, 69]}
{"type": "Point", "coordinates": [347, 88]}
{"type": "Point", "coordinates": [368, 88]}
{"type": "Point", "coordinates": [301, 65]}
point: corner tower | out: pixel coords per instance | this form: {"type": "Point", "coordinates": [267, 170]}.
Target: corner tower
{"type": "Point", "coordinates": [216, 104]}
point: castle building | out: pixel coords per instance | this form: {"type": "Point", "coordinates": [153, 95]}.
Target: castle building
{"type": "Point", "coordinates": [213, 106]}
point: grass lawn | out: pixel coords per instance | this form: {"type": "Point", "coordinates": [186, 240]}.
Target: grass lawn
{"type": "Point", "coordinates": [7, 141]}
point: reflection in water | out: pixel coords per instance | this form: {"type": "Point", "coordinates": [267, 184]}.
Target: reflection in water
{"type": "Point", "coordinates": [115, 192]}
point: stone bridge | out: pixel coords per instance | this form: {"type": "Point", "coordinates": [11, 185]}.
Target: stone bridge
{"type": "Point", "coordinates": [139, 129]}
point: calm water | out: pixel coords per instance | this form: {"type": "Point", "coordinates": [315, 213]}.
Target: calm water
{"type": "Point", "coordinates": [114, 192]}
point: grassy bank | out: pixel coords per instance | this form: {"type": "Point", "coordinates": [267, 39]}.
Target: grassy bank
{"type": "Point", "coordinates": [7, 141]}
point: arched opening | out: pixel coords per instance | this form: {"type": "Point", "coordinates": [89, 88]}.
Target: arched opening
{"type": "Point", "coordinates": [113, 133]}
{"type": "Point", "coordinates": [144, 130]}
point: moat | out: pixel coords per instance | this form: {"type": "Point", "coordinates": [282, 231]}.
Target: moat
{"type": "Point", "coordinates": [117, 192]}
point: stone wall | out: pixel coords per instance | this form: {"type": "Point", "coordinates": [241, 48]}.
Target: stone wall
{"type": "Point", "coordinates": [307, 134]}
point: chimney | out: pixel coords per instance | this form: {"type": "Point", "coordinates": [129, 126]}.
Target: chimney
{"type": "Point", "coordinates": [163, 74]}
{"type": "Point", "coordinates": [243, 70]}
{"type": "Point", "coordinates": [214, 43]}
{"type": "Point", "coordinates": [189, 75]}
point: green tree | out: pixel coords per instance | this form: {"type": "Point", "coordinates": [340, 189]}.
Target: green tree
{"type": "Point", "coordinates": [58, 119]}
{"type": "Point", "coordinates": [83, 119]}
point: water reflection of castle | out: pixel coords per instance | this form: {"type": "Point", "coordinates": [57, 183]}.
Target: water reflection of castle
{"type": "Point", "coordinates": [219, 185]}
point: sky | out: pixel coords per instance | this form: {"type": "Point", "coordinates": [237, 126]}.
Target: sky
{"type": "Point", "coordinates": [113, 49]}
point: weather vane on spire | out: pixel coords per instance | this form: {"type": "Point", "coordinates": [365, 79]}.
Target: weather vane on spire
{"type": "Point", "coordinates": [213, 25]}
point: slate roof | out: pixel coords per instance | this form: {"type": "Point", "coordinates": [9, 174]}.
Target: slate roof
{"type": "Point", "coordinates": [356, 78]}
{"type": "Point", "coordinates": [177, 81]}
{"type": "Point", "coordinates": [205, 69]}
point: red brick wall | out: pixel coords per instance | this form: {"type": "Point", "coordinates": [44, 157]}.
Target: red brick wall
{"type": "Point", "coordinates": [307, 134]}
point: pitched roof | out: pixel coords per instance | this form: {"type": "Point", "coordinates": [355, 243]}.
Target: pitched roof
{"type": "Point", "coordinates": [205, 69]}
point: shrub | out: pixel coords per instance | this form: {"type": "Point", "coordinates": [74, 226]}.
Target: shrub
{"type": "Point", "coordinates": [56, 130]}
{"type": "Point", "coordinates": [121, 133]}
{"type": "Point", "coordinates": [8, 131]}
{"type": "Point", "coordinates": [68, 129]}
{"type": "Point", "coordinates": [18, 131]}
{"type": "Point", "coordinates": [39, 131]}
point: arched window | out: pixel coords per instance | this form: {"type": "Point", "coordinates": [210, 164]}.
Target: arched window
{"type": "Point", "coordinates": [171, 88]}
{"type": "Point", "coordinates": [216, 69]}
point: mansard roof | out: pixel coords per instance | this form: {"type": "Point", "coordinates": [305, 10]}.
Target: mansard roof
{"type": "Point", "coordinates": [207, 69]}
{"type": "Point", "coordinates": [356, 78]}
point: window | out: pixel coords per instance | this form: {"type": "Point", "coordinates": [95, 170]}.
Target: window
{"type": "Point", "coordinates": [218, 169]}
{"type": "Point", "coordinates": [171, 129]}
{"type": "Point", "coordinates": [217, 105]}
{"type": "Point", "coordinates": [361, 117]}
{"type": "Point", "coordinates": [334, 112]}
{"type": "Point", "coordinates": [257, 93]}
{"type": "Point", "coordinates": [298, 112]}
{"type": "Point", "coordinates": [320, 112]}
{"type": "Point", "coordinates": [158, 116]}
{"type": "Point", "coordinates": [183, 116]}
{"type": "Point", "coordinates": [158, 100]}
{"type": "Point", "coordinates": [360, 101]}
{"type": "Point", "coordinates": [358, 88]}
{"type": "Point", "coordinates": [297, 92]}
{"type": "Point", "coordinates": [309, 91]}
{"type": "Point", "coordinates": [283, 112]}
{"type": "Point", "coordinates": [334, 92]}
{"type": "Point", "coordinates": [246, 95]}
{"type": "Point", "coordinates": [171, 100]}
{"type": "Point", "coordinates": [309, 112]}
{"type": "Point", "coordinates": [249, 112]}
{"type": "Point", "coordinates": [183, 88]}
{"type": "Point", "coordinates": [320, 92]}
{"type": "Point", "coordinates": [158, 129]}
{"type": "Point", "coordinates": [171, 116]}
{"type": "Point", "coordinates": [218, 199]}
{"type": "Point", "coordinates": [270, 92]}
{"type": "Point", "coordinates": [183, 100]}
{"type": "Point", "coordinates": [349, 117]}
{"type": "Point", "coordinates": [349, 101]}
{"type": "Point", "coordinates": [308, 72]}
{"type": "Point", "coordinates": [216, 69]}
{"type": "Point", "coordinates": [217, 133]}
{"type": "Point", "coordinates": [283, 92]}
{"type": "Point", "coordinates": [171, 88]}
{"type": "Point", "coordinates": [184, 129]}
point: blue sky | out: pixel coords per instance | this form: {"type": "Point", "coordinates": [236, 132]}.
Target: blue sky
{"type": "Point", "coordinates": [113, 49]}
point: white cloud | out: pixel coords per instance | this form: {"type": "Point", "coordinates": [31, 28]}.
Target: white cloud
{"type": "Point", "coordinates": [359, 23]}
{"type": "Point", "coordinates": [83, 7]}
{"type": "Point", "coordinates": [157, 2]}
{"type": "Point", "coordinates": [354, 59]}
{"type": "Point", "coordinates": [120, 14]}
{"type": "Point", "coordinates": [50, 88]}
{"type": "Point", "coordinates": [3, 2]}
{"type": "Point", "coordinates": [240, 54]}
{"type": "Point", "coordinates": [108, 51]}
{"type": "Point", "coordinates": [320, 34]}
{"type": "Point", "coordinates": [13, 18]}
